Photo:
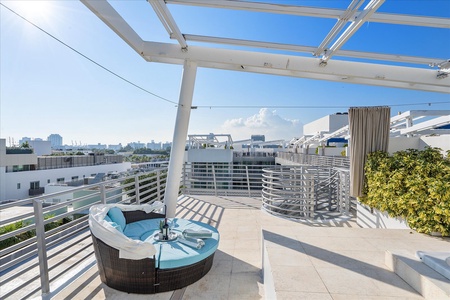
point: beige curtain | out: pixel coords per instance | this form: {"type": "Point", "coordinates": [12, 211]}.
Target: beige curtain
{"type": "Point", "coordinates": [369, 132]}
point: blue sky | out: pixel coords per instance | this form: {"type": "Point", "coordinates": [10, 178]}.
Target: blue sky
{"type": "Point", "coordinates": [47, 88]}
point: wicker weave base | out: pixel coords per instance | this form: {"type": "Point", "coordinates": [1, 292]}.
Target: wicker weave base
{"type": "Point", "coordinates": [141, 276]}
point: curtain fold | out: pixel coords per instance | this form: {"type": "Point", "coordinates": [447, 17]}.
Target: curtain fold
{"type": "Point", "coordinates": [369, 132]}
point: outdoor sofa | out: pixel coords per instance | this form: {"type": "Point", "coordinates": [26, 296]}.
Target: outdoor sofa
{"type": "Point", "coordinates": [131, 259]}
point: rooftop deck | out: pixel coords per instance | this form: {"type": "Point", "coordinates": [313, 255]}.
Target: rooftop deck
{"type": "Point", "coordinates": [302, 260]}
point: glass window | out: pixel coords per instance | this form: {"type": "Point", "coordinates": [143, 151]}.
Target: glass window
{"type": "Point", "coordinates": [18, 186]}
{"type": "Point", "coordinates": [74, 178]}
{"type": "Point", "coordinates": [60, 180]}
{"type": "Point", "coordinates": [34, 185]}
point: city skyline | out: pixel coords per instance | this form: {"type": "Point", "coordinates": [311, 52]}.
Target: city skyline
{"type": "Point", "coordinates": [47, 87]}
{"type": "Point", "coordinates": [12, 142]}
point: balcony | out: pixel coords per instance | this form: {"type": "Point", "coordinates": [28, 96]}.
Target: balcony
{"type": "Point", "coordinates": [35, 192]}
{"type": "Point", "coordinates": [260, 256]}
{"type": "Point", "coordinates": [19, 151]}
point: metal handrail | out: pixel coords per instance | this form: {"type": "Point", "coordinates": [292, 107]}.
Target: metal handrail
{"type": "Point", "coordinates": [315, 160]}
{"type": "Point", "coordinates": [16, 260]}
{"type": "Point", "coordinates": [238, 180]}
{"type": "Point", "coordinates": [299, 191]}
{"type": "Point", "coordinates": [222, 179]}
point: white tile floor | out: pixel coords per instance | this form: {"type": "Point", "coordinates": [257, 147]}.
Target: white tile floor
{"type": "Point", "coordinates": [334, 260]}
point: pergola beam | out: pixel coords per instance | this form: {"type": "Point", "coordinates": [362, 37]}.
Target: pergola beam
{"type": "Point", "coordinates": [430, 124]}
{"type": "Point", "coordinates": [295, 66]}
{"type": "Point", "coordinates": [164, 15]}
{"type": "Point", "coordinates": [340, 24]}
{"type": "Point", "coordinates": [105, 12]}
{"type": "Point", "coordinates": [309, 49]}
{"type": "Point", "coordinates": [336, 133]}
{"type": "Point", "coordinates": [268, 63]}
{"type": "Point", "coordinates": [353, 28]}
{"type": "Point", "coordinates": [315, 12]}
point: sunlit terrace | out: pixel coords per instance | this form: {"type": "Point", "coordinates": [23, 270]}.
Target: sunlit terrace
{"type": "Point", "coordinates": [286, 232]}
{"type": "Point", "coordinates": [260, 256]}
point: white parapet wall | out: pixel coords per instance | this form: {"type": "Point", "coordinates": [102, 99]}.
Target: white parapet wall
{"type": "Point", "coordinates": [372, 218]}
{"type": "Point", "coordinates": [402, 143]}
{"type": "Point", "coordinates": [419, 143]}
{"type": "Point", "coordinates": [210, 155]}
{"type": "Point", "coordinates": [440, 141]}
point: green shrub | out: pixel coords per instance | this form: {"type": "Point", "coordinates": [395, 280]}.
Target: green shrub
{"type": "Point", "coordinates": [27, 234]}
{"type": "Point", "coordinates": [411, 184]}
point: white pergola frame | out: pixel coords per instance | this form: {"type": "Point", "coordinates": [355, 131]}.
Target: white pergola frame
{"type": "Point", "coordinates": [402, 124]}
{"type": "Point", "coordinates": [378, 74]}
{"type": "Point", "coordinates": [320, 66]}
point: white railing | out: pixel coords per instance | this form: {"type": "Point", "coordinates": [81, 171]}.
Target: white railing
{"type": "Point", "coordinates": [322, 188]}
{"type": "Point", "coordinates": [48, 249]}
{"type": "Point", "coordinates": [315, 160]}
{"type": "Point", "coordinates": [222, 179]}
{"type": "Point", "coordinates": [301, 192]}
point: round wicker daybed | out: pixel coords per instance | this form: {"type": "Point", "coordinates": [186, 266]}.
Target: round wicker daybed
{"type": "Point", "coordinates": [139, 264]}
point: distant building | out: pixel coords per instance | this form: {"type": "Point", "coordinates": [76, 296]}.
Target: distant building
{"type": "Point", "coordinates": [137, 145]}
{"type": "Point", "coordinates": [326, 124]}
{"type": "Point", "coordinates": [258, 138]}
{"type": "Point", "coordinates": [24, 174]}
{"type": "Point", "coordinates": [98, 146]}
{"type": "Point", "coordinates": [166, 146]}
{"type": "Point", "coordinates": [154, 146]}
{"type": "Point", "coordinates": [24, 139]}
{"type": "Point", "coordinates": [56, 140]}
{"type": "Point", "coordinates": [115, 147]}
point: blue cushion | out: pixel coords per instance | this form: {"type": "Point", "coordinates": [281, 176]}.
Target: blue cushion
{"type": "Point", "coordinates": [174, 254]}
{"type": "Point", "coordinates": [141, 230]}
{"type": "Point", "coordinates": [117, 216]}
{"type": "Point", "coordinates": [116, 226]}
{"type": "Point", "coordinates": [108, 219]}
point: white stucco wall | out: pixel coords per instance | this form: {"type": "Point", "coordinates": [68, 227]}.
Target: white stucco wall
{"type": "Point", "coordinates": [333, 151]}
{"type": "Point", "coordinates": [376, 219]}
{"type": "Point", "coordinates": [41, 147]}
{"type": "Point", "coordinates": [441, 141]}
{"type": "Point", "coordinates": [402, 143]}
{"type": "Point", "coordinates": [328, 123]}
{"type": "Point", "coordinates": [210, 155]}
{"type": "Point", "coordinates": [419, 143]}
{"type": "Point", "coordinates": [45, 176]}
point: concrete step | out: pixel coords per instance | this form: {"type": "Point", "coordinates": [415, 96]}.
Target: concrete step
{"type": "Point", "coordinates": [429, 283]}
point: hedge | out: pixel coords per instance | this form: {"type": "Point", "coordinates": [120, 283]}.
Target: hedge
{"type": "Point", "coordinates": [411, 184]}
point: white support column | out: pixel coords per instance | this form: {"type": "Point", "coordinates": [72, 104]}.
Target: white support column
{"type": "Point", "coordinates": [179, 137]}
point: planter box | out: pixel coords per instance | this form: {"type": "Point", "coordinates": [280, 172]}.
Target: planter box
{"type": "Point", "coordinates": [372, 218]}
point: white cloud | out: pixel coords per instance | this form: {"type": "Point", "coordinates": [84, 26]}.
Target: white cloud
{"type": "Point", "coordinates": [265, 122]}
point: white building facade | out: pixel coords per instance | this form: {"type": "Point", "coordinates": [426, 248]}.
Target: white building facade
{"type": "Point", "coordinates": [19, 177]}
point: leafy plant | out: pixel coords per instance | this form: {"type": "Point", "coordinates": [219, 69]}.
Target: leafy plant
{"type": "Point", "coordinates": [27, 234]}
{"type": "Point", "coordinates": [411, 184]}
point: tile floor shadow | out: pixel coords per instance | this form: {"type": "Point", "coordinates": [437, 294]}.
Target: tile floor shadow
{"type": "Point", "coordinates": [345, 262]}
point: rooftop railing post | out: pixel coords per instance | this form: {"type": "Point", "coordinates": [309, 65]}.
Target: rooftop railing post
{"type": "Point", "coordinates": [347, 191]}
{"type": "Point", "coordinates": [214, 179]}
{"type": "Point", "coordinates": [248, 181]}
{"type": "Point", "coordinates": [136, 190]}
{"type": "Point", "coordinates": [184, 176]}
{"type": "Point", "coordinates": [42, 249]}
{"type": "Point", "coordinates": [158, 185]}
{"type": "Point", "coordinates": [330, 180]}
{"type": "Point", "coordinates": [103, 194]}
